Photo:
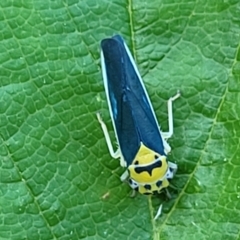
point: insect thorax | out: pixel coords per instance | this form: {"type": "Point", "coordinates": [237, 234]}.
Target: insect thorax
{"type": "Point", "coordinates": [149, 172]}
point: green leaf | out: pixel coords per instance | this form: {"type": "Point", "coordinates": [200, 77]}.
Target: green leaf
{"type": "Point", "coordinates": [57, 179]}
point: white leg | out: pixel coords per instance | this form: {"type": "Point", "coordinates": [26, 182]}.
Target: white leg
{"type": "Point", "coordinates": [116, 154]}
{"type": "Point", "coordinates": [168, 134]}
{"type": "Point", "coordinates": [167, 148]}
{"type": "Point", "coordinates": [173, 166]}
{"type": "Point", "coordinates": [158, 212]}
{"type": "Point", "coordinates": [124, 176]}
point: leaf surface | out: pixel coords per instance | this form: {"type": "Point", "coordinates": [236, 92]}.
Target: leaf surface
{"type": "Point", "coordinates": [57, 179]}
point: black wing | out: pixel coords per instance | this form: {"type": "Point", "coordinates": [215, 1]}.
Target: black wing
{"type": "Point", "coordinates": [131, 111]}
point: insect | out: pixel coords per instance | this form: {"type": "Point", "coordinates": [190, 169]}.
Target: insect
{"type": "Point", "coordinates": [142, 147]}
